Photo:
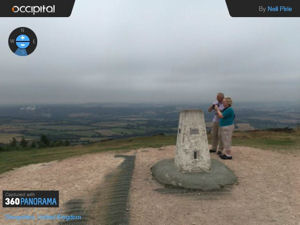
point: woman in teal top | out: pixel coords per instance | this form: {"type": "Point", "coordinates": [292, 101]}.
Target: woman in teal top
{"type": "Point", "coordinates": [226, 127]}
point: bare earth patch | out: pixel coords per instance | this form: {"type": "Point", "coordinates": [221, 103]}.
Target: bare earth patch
{"type": "Point", "coordinates": [268, 192]}
{"type": "Point", "coordinates": [75, 178]}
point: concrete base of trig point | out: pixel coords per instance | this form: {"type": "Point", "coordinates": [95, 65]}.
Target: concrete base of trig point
{"type": "Point", "coordinates": [219, 176]}
{"type": "Point", "coordinates": [192, 167]}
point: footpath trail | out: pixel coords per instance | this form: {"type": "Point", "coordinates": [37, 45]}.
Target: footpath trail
{"type": "Point", "coordinates": [96, 186]}
{"type": "Point", "coordinates": [267, 192]}
{"type": "Point", "coordinates": [78, 180]}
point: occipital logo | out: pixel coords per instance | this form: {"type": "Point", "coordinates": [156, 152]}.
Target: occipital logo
{"type": "Point", "coordinates": [33, 9]}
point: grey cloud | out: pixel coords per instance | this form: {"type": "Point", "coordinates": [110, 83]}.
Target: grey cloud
{"type": "Point", "coordinates": [152, 51]}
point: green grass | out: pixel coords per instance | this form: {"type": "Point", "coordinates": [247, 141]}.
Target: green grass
{"type": "Point", "coordinates": [17, 158]}
{"type": "Point", "coordinates": [279, 141]}
{"type": "Point", "coordinates": [270, 140]}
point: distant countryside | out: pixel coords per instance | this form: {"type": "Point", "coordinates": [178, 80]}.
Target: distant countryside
{"type": "Point", "coordinates": [62, 125]}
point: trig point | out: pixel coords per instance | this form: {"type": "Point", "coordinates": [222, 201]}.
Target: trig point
{"type": "Point", "coordinates": [192, 154]}
{"type": "Point", "coordinates": [192, 167]}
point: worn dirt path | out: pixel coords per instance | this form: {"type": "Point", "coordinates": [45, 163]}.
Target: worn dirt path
{"type": "Point", "coordinates": [76, 179]}
{"type": "Point", "coordinates": [268, 192]}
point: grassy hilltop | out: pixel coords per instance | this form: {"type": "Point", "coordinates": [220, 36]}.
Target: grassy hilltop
{"type": "Point", "coordinates": [283, 141]}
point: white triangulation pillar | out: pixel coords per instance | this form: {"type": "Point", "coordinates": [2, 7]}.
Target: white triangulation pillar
{"type": "Point", "coordinates": [192, 154]}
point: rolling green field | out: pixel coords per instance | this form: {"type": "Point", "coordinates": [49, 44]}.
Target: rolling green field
{"type": "Point", "coordinates": [271, 140]}
{"type": "Point", "coordinates": [89, 123]}
{"type": "Point", "coordinates": [279, 141]}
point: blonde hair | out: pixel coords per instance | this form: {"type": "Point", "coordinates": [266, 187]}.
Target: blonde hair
{"type": "Point", "coordinates": [228, 100]}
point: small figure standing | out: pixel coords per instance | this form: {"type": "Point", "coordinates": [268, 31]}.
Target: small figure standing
{"type": "Point", "coordinates": [215, 131]}
{"type": "Point", "coordinates": [226, 123]}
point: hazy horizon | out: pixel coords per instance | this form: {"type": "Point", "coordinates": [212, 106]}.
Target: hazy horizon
{"type": "Point", "coordinates": [160, 51]}
{"type": "Point", "coordinates": [250, 103]}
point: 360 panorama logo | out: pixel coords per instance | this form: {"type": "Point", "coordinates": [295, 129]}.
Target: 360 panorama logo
{"type": "Point", "coordinates": [33, 9]}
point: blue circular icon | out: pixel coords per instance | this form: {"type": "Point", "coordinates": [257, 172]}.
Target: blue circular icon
{"type": "Point", "coordinates": [23, 37]}
{"type": "Point", "coordinates": [22, 41]}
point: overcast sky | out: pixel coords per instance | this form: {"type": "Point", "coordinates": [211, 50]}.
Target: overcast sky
{"type": "Point", "coordinates": [152, 51]}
